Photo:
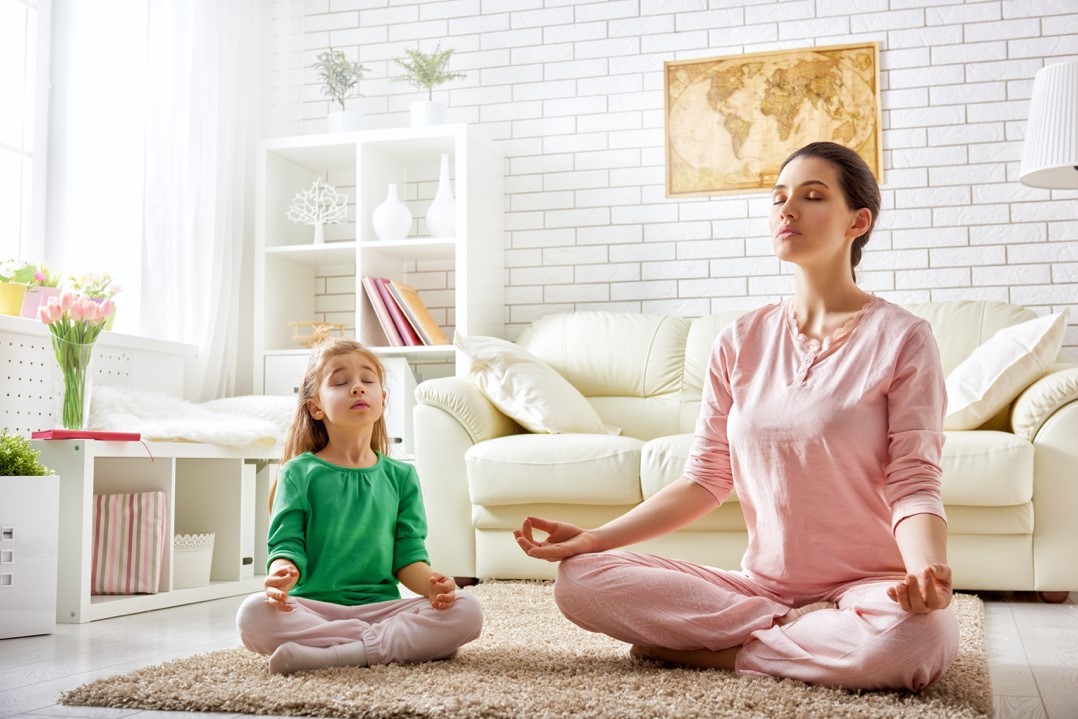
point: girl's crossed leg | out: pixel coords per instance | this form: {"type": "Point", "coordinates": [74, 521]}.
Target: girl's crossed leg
{"type": "Point", "coordinates": [319, 634]}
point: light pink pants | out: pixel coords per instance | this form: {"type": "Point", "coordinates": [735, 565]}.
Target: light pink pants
{"type": "Point", "coordinates": [868, 642]}
{"type": "Point", "coordinates": [399, 630]}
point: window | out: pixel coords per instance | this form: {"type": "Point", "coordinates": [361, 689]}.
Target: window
{"type": "Point", "coordinates": [23, 47]}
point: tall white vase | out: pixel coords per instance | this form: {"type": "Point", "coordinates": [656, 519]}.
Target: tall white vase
{"type": "Point", "coordinates": [391, 219]}
{"type": "Point", "coordinates": [442, 213]}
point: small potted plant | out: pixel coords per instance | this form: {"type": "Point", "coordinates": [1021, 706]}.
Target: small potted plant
{"type": "Point", "coordinates": [15, 276]}
{"type": "Point", "coordinates": [42, 286]}
{"type": "Point", "coordinates": [340, 80]}
{"type": "Point", "coordinates": [426, 71]}
{"type": "Point", "coordinates": [30, 515]}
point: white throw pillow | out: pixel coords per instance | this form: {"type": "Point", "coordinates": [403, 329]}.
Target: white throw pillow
{"type": "Point", "coordinates": [528, 390]}
{"type": "Point", "coordinates": [997, 371]}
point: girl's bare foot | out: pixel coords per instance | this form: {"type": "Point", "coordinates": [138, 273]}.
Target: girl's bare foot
{"type": "Point", "coordinates": [799, 612]}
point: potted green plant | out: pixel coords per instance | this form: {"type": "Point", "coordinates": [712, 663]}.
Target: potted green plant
{"type": "Point", "coordinates": [43, 285]}
{"type": "Point", "coordinates": [30, 518]}
{"type": "Point", "coordinates": [426, 71]}
{"type": "Point", "coordinates": [15, 276]}
{"type": "Point", "coordinates": [340, 80]}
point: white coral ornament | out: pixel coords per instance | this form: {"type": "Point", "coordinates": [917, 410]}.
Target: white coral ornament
{"type": "Point", "coordinates": [319, 205]}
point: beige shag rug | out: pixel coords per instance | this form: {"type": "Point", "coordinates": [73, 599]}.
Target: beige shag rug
{"type": "Point", "coordinates": [531, 662]}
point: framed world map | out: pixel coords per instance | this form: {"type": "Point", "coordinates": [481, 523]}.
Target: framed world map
{"type": "Point", "coordinates": [731, 121]}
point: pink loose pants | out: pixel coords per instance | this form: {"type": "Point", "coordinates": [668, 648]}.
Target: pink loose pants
{"type": "Point", "coordinates": [867, 642]}
{"type": "Point", "coordinates": [399, 630]}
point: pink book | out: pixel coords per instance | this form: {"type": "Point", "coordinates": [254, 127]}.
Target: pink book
{"type": "Point", "coordinates": [380, 311]}
{"type": "Point", "coordinates": [407, 332]}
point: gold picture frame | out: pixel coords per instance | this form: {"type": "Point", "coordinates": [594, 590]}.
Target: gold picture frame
{"type": "Point", "coordinates": [731, 120]}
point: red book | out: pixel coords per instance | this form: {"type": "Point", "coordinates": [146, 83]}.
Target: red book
{"type": "Point", "coordinates": [404, 327]}
{"type": "Point", "coordinates": [86, 434]}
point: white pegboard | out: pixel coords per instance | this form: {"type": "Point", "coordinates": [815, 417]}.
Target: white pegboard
{"type": "Point", "coordinates": [28, 399]}
{"type": "Point", "coordinates": [29, 380]}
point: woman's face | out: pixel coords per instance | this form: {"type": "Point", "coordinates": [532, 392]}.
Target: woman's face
{"type": "Point", "coordinates": [811, 223]}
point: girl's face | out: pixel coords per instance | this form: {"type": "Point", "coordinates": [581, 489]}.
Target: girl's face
{"type": "Point", "coordinates": [350, 392]}
{"type": "Point", "coordinates": [811, 223]}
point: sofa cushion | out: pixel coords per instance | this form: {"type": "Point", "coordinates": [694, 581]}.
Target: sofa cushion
{"type": "Point", "coordinates": [563, 469]}
{"type": "Point", "coordinates": [527, 389]}
{"type": "Point", "coordinates": [997, 371]}
{"type": "Point", "coordinates": [980, 469]}
{"type": "Point", "coordinates": [986, 469]}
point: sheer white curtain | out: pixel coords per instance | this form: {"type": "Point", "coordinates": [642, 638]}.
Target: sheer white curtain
{"type": "Point", "coordinates": [202, 103]}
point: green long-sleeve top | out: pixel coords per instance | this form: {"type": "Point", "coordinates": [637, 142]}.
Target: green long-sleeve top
{"type": "Point", "coordinates": [348, 531]}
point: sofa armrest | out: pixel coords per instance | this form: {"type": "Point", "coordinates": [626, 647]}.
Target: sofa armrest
{"type": "Point", "coordinates": [1057, 388]}
{"type": "Point", "coordinates": [1055, 501]}
{"type": "Point", "coordinates": [451, 415]}
{"type": "Point", "coordinates": [462, 400]}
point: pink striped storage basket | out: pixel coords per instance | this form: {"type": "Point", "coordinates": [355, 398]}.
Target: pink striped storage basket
{"type": "Point", "coordinates": [129, 543]}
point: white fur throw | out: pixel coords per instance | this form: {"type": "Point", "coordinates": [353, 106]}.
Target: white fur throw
{"type": "Point", "coordinates": [234, 421]}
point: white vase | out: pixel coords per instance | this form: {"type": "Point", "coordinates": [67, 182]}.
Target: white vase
{"type": "Point", "coordinates": [442, 213]}
{"type": "Point", "coordinates": [427, 112]}
{"type": "Point", "coordinates": [391, 219]}
{"type": "Point", "coordinates": [319, 233]}
{"type": "Point", "coordinates": [344, 120]}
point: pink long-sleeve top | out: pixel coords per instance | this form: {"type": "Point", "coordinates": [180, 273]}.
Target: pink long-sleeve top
{"type": "Point", "coordinates": [829, 445]}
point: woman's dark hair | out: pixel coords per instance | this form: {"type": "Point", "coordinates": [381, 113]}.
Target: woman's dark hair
{"type": "Point", "coordinates": [857, 182]}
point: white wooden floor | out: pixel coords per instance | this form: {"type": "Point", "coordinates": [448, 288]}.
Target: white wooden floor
{"type": "Point", "coordinates": [1033, 653]}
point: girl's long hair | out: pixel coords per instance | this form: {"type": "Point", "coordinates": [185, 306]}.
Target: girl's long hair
{"type": "Point", "coordinates": [307, 434]}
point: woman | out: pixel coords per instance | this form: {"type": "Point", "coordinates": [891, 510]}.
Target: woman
{"type": "Point", "coordinates": [825, 412]}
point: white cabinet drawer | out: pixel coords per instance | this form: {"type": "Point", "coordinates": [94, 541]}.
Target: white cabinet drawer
{"type": "Point", "coordinates": [284, 373]}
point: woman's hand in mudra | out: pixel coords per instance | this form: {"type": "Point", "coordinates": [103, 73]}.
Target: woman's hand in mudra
{"type": "Point", "coordinates": [563, 540]}
{"type": "Point", "coordinates": [922, 594]}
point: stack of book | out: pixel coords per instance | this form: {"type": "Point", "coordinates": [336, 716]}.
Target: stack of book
{"type": "Point", "coordinates": [405, 320]}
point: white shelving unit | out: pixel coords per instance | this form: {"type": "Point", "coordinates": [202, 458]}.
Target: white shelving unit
{"type": "Point", "coordinates": [362, 164]}
{"type": "Point", "coordinates": [208, 488]}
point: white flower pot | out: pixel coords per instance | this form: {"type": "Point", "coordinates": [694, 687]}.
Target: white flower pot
{"type": "Point", "coordinates": [427, 112]}
{"type": "Point", "coordinates": [344, 120]}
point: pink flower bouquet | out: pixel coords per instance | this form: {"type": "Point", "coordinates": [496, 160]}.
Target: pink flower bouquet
{"type": "Point", "coordinates": [75, 321]}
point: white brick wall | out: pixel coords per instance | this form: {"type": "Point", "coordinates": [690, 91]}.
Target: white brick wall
{"type": "Point", "coordinates": [572, 92]}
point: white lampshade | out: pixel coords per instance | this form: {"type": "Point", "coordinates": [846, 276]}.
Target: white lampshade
{"type": "Point", "coordinates": [1050, 153]}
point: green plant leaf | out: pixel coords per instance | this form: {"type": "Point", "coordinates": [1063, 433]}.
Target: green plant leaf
{"type": "Point", "coordinates": [426, 71]}
{"type": "Point", "coordinates": [18, 458]}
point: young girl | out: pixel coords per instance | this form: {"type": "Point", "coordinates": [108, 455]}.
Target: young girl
{"type": "Point", "coordinates": [825, 412]}
{"type": "Point", "coordinates": [347, 526]}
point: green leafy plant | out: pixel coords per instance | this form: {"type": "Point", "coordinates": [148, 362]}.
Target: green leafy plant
{"type": "Point", "coordinates": [18, 458]}
{"type": "Point", "coordinates": [427, 70]}
{"type": "Point", "coordinates": [18, 272]}
{"type": "Point", "coordinates": [339, 75]}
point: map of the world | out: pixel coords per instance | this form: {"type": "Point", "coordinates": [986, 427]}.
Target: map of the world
{"type": "Point", "coordinates": [731, 121]}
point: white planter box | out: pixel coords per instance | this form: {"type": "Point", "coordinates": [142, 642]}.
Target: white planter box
{"type": "Point", "coordinates": [29, 526]}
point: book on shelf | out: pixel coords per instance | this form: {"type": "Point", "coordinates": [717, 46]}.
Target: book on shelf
{"type": "Point", "coordinates": [404, 328]}
{"type": "Point", "coordinates": [393, 336]}
{"type": "Point", "coordinates": [417, 313]}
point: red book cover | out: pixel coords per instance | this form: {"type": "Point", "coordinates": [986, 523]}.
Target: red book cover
{"type": "Point", "coordinates": [404, 327]}
{"type": "Point", "coordinates": [86, 434]}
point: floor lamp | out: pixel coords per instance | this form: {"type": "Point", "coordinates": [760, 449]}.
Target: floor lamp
{"type": "Point", "coordinates": [1050, 151]}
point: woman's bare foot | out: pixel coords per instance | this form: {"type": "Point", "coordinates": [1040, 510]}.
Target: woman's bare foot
{"type": "Point", "coordinates": [799, 612]}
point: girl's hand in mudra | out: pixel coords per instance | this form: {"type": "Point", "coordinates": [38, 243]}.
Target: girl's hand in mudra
{"type": "Point", "coordinates": [925, 593]}
{"type": "Point", "coordinates": [563, 540]}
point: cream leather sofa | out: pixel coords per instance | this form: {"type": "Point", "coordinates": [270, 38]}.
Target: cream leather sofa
{"type": "Point", "coordinates": [1010, 488]}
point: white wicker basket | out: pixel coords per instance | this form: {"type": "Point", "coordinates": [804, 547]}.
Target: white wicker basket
{"type": "Point", "coordinates": [192, 557]}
